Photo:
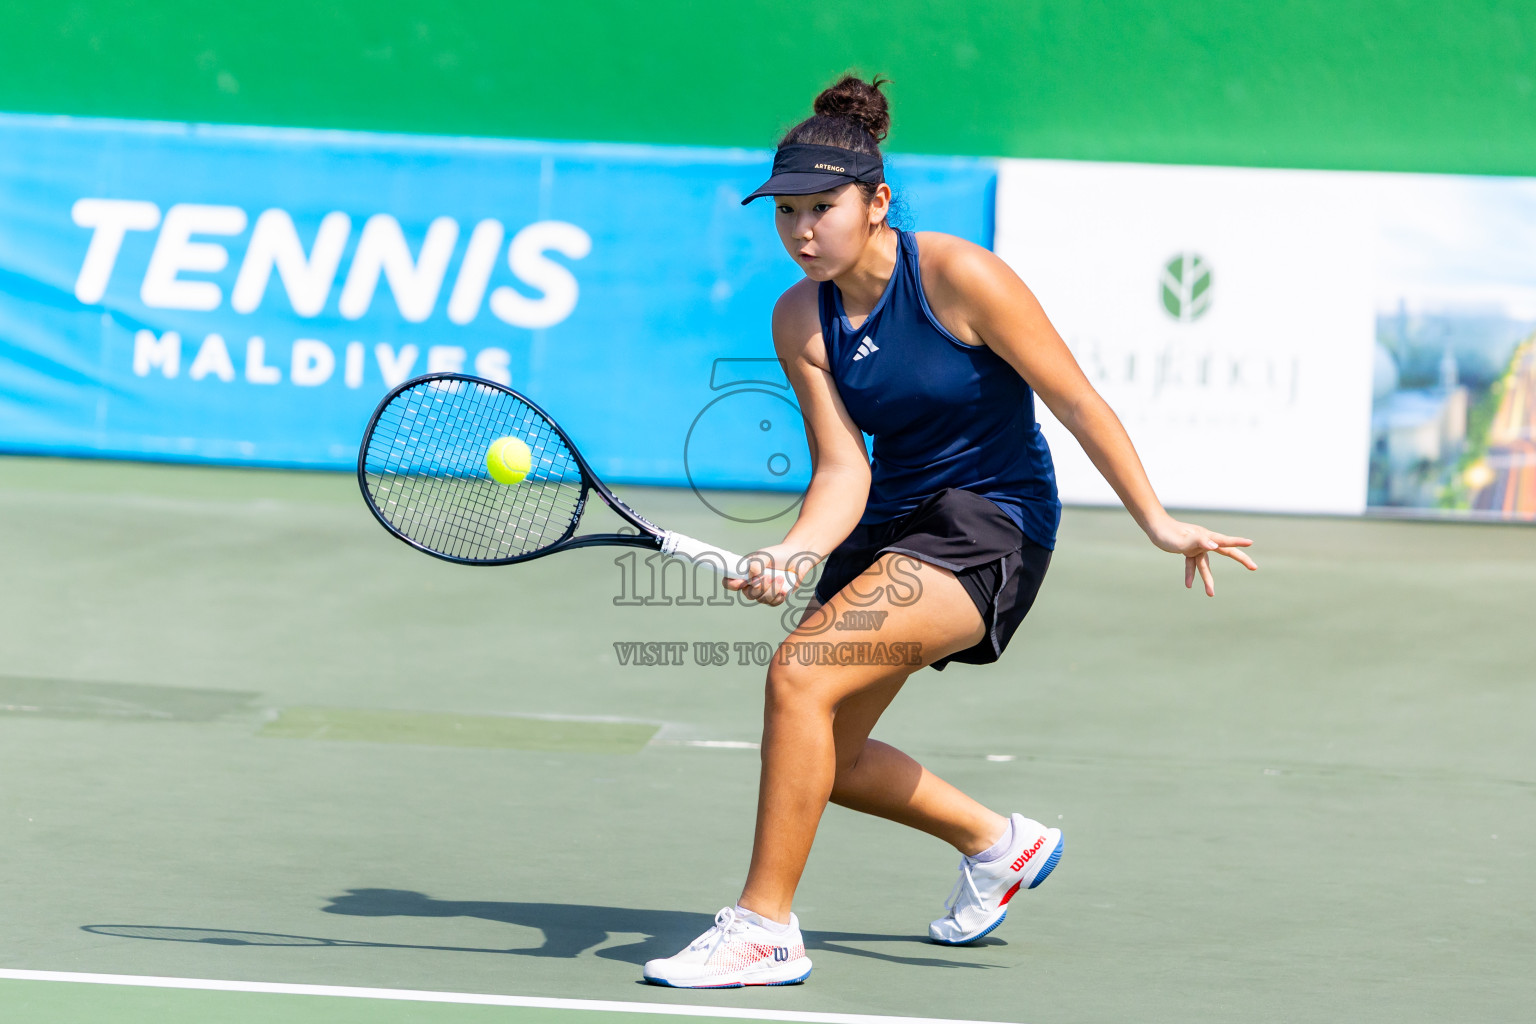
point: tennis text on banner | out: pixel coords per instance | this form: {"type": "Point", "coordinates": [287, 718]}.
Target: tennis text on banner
{"type": "Point", "coordinates": [416, 281]}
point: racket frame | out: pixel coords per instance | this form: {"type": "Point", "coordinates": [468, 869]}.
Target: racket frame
{"type": "Point", "coordinates": [650, 536]}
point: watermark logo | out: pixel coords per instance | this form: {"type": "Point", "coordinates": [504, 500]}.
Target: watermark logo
{"type": "Point", "coordinates": [659, 581]}
{"type": "Point", "coordinates": [720, 653]}
{"type": "Point", "coordinates": [746, 454]}
{"type": "Point", "coordinates": [1186, 284]}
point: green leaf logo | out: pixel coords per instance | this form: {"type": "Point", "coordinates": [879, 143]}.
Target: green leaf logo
{"type": "Point", "coordinates": [1186, 287]}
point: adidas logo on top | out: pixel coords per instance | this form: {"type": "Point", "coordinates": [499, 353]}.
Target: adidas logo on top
{"type": "Point", "coordinates": [866, 347]}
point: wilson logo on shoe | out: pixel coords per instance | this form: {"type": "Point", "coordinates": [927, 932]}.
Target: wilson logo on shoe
{"type": "Point", "coordinates": [1024, 858]}
{"type": "Point", "coordinates": [781, 954]}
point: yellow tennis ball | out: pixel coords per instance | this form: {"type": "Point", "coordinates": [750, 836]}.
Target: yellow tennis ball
{"type": "Point", "coordinates": [508, 460]}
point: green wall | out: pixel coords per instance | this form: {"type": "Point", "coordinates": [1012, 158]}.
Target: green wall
{"type": "Point", "coordinates": [1385, 84]}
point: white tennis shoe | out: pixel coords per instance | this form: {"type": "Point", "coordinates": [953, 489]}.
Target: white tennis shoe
{"type": "Point", "coordinates": [979, 901]}
{"type": "Point", "coordinates": [733, 953]}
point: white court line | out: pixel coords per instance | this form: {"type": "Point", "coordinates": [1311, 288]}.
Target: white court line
{"type": "Point", "coordinates": [658, 741]}
{"type": "Point", "coordinates": [472, 998]}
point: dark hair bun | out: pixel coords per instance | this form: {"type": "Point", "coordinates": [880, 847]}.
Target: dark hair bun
{"type": "Point", "coordinates": [857, 100]}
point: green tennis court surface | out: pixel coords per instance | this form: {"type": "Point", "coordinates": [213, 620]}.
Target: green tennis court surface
{"type": "Point", "coordinates": [246, 736]}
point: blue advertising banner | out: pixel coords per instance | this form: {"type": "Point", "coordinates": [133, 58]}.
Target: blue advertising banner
{"type": "Point", "coordinates": [191, 292]}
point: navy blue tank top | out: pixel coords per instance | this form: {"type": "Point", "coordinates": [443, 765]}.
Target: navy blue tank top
{"type": "Point", "coordinates": [942, 413]}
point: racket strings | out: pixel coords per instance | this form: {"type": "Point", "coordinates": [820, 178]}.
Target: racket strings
{"type": "Point", "coordinates": [425, 469]}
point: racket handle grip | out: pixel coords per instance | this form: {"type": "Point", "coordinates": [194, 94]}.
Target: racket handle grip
{"type": "Point", "coordinates": [727, 563]}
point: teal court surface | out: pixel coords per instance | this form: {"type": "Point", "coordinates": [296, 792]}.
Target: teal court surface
{"type": "Point", "coordinates": [249, 742]}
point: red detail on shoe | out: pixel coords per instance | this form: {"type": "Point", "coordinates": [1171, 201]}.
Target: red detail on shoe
{"type": "Point", "coordinates": [1010, 893]}
{"type": "Point", "coordinates": [1024, 858]}
{"type": "Point", "coordinates": [738, 956]}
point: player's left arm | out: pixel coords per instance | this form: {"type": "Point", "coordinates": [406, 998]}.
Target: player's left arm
{"type": "Point", "coordinates": [997, 309]}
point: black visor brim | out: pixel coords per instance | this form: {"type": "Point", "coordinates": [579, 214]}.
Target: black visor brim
{"type": "Point", "coordinates": [798, 183]}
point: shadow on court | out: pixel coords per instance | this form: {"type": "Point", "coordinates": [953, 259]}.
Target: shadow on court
{"type": "Point", "coordinates": [570, 929]}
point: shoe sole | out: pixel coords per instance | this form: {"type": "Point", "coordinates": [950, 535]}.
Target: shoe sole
{"type": "Point", "coordinates": [1045, 870]}
{"type": "Point", "coordinates": [735, 984]}
{"type": "Point", "coordinates": [1050, 862]}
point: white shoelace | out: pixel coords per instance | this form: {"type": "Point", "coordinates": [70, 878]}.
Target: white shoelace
{"type": "Point", "coordinates": [952, 904]}
{"type": "Point", "coordinates": [727, 923]}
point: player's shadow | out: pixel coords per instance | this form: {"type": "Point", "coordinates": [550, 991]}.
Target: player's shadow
{"type": "Point", "coordinates": [571, 929]}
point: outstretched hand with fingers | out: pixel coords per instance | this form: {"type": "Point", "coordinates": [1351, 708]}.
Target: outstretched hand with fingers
{"type": "Point", "coordinates": [1196, 544]}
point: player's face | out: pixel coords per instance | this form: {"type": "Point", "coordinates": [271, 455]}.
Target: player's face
{"type": "Point", "coordinates": [826, 233]}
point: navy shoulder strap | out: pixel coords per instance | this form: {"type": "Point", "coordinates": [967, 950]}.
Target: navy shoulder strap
{"type": "Point", "coordinates": [831, 322]}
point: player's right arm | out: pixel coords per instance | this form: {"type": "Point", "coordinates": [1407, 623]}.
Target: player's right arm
{"type": "Point", "coordinates": [840, 472]}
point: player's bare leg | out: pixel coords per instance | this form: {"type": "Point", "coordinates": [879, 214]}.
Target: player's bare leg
{"type": "Point", "coordinates": [803, 750]}
{"type": "Point", "coordinates": [876, 778]}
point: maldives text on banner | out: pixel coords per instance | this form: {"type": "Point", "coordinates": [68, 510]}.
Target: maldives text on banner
{"type": "Point", "coordinates": [239, 294]}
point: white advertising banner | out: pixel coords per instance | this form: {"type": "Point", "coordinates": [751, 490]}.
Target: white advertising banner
{"type": "Point", "coordinates": [1226, 314]}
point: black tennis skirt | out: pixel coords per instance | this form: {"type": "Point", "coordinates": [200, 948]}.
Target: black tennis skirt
{"type": "Point", "coordinates": [971, 536]}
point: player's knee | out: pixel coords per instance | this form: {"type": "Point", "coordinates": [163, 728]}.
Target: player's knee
{"type": "Point", "coordinates": [792, 686]}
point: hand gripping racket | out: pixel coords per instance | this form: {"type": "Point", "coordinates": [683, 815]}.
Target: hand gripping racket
{"type": "Point", "coordinates": [423, 472]}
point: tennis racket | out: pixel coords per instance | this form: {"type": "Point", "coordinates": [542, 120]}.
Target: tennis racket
{"type": "Point", "coordinates": [422, 469]}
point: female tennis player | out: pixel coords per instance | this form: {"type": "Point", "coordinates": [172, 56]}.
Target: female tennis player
{"type": "Point", "coordinates": [936, 348]}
